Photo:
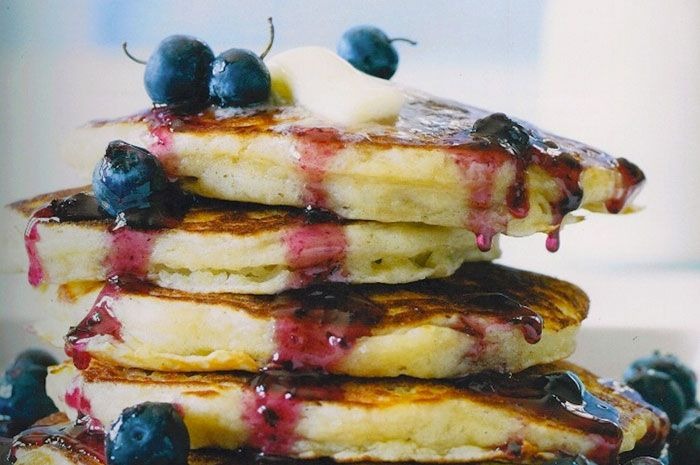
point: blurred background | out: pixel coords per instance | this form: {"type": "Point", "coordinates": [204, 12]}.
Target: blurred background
{"type": "Point", "coordinates": [621, 75]}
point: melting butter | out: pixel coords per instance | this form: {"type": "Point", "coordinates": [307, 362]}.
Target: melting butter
{"type": "Point", "coordinates": [329, 87]}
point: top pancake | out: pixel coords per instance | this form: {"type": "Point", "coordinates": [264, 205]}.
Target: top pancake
{"type": "Point", "coordinates": [428, 166]}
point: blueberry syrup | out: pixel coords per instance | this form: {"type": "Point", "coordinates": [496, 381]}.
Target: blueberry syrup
{"type": "Point", "coordinates": [316, 328]}
{"type": "Point", "coordinates": [561, 396]}
{"type": "Point", "coordinates": [81, 437]}
{"type": "Point", "coordinates": [100, 321]}
{"type": "Point", "coordinates": [162, 122]}
{"type": "Point", "coordinates": [316, 147]}
{"type": "Point", "coordinates": [76, 399]}
{"type": "Point", "coordinates": [132, 234]}
{"type": "Point", "coordinates": [495, 142]}
{"type": "Point", "coordinates": [272, 407]}
{"type": "Point", "coordinates": [129, 252]}
{"type": "Point", "coordinates": [478, 170]}
{"type": "Point", "coordinates": [316, 253]}
{"type": "Point", "coordinates": [481, 310]}
{"type": "Point", "coordinates": [653, 441]}
{"type": "Point", "coordinates": [36, 274]}
{"type": "Point", "coordinates": [632, 181]}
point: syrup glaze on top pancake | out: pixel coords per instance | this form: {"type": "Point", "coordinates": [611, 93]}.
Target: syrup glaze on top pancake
{"type": "Point", "coordinates": [478, 144]}
{"type": "Point", "coordinates": [316, 328]}
{"type": "Point", "coordinates": [561, 396]}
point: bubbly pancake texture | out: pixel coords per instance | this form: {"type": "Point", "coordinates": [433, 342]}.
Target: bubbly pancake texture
{"type": "Point", "coordinates": [485, 317]}
{"type": "Point", "coordinates": [432, 165]}
{"type": "Point", "coordinates": [233, 247]}
{"type": "Point", "coordinates": [542, 412]}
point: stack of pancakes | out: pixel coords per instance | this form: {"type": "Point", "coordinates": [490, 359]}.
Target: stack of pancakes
{"type": "Point", "coordinates": [329, 295]}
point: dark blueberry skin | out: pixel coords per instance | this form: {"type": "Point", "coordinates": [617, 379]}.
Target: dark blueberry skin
{"type": "Point", "coordinates": [178, 72]}
{"type": "Point", "coordinates": [660, 390]}
{"type": "Point", "coordinates": [498, 128]}
{"type": "Point", "coordinates": [579, 460]}
{"type": "Point", "coordinates": [669, 364]}
{"type": "Point", "coordinates": [151, 433]}
{"type": "Point", "coordinates": [35, 357]}
{"type": "Point", "coordinates": [127, 178]}
{"type": "Point", "coordinates": [684, 448]}
{"type": "Point", "coordinates": [239, 78]}
{"type": "Point", "coordinates": [369, 50]}
{"type": "Point", "coordinates": [23, 398]}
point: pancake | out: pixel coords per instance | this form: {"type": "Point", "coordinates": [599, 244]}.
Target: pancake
{"type": "Point", "coordinates": [428, 166]}
{"type": "Point", "coordinates": [57, 441]}
{"type": "Point", "coordinates": [540, 413]}
{"type": "Point", "coordinates": [485, 317]}
{"type": "Point", "coordinates": [234, 247]}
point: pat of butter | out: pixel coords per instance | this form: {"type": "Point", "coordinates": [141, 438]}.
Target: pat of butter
{"type": "Point", "coordinates": [329, 87]}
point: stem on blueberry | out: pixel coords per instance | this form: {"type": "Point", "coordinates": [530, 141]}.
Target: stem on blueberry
{"type": "Point", "coordinates": [403, 39]}
{"type": "Point", "coordinates": [272, 39]}
{"type": "Point", "coordinates": [132, 57]}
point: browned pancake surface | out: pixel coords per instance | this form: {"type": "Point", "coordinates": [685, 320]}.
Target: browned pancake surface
{"type": "Point", "coordinates": [422, 122]}
{"type": "Point", "coordinates": [560, 304]}
{"type": "Point", "coordinates": [206, 215]}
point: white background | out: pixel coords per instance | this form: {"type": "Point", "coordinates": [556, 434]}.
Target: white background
{"type": "Point", "coordinates": [621, 75]}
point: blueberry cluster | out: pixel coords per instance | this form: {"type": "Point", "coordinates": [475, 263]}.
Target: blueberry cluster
{"type": "Point", "coordinates": [184, 74]}
{"type": "Point", "coordinates": [665, 382]}
{"type": "Point", "coordinates": [23, 398]}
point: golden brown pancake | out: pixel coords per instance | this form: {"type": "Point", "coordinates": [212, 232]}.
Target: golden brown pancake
{"type": "Point", "coordinates": [440, 162]}
{"type": "Point", "coordinates": [232, 247]}
{"type": "Point", "coordinates": [543, 412]}
{"type": "Point", "coordinates": [50, 443]}
{"type": "Point", "coordinates": [485, 317]}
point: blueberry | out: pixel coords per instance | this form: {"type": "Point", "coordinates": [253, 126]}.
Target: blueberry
{"type": "Point", "coordinates": [669, 364]}
{"type": "Point", "coordinates": [644, 461]}
{"type": "Point", "coordinates": [499, 129]}
{"type": "Point", "coordinates": [23, 398]}
{"type": "Point", "coordinates": [239, 78]}
{"type": "Point", "coordinates": [178, 72]}
{"type": "Point", "coordinates": [150, 433]}
{"type": "Point", "coordinates": [35, 357]}
{"type": "Point", "coordinates": [684, 448]}
{"type": "Point", "coordinates": [126, 178]}
{"type": "Point", "coordinates": [660, 390]}
{"type": "Point", "coordinates": [369, 49]}
{"type": "Point", "coordinates": [578, 460]}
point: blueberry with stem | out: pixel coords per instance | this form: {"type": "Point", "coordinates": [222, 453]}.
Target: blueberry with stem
{"type": "Point", "coordinates": [370, 50]}
{"type": "Point", "coordinates": [239, 76]}
{"type": "Point", "coordinates": [178, 72]}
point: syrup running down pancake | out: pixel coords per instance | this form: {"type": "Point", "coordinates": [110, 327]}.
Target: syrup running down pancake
{"type": "Point", "coordinates": [485, 317]}
{"type": "Point", "coordinates": [543, 412]}
{"type": "Point", "coordinates": [232, 247]}
{"type": "Point", "coordinates": [440, 163]}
